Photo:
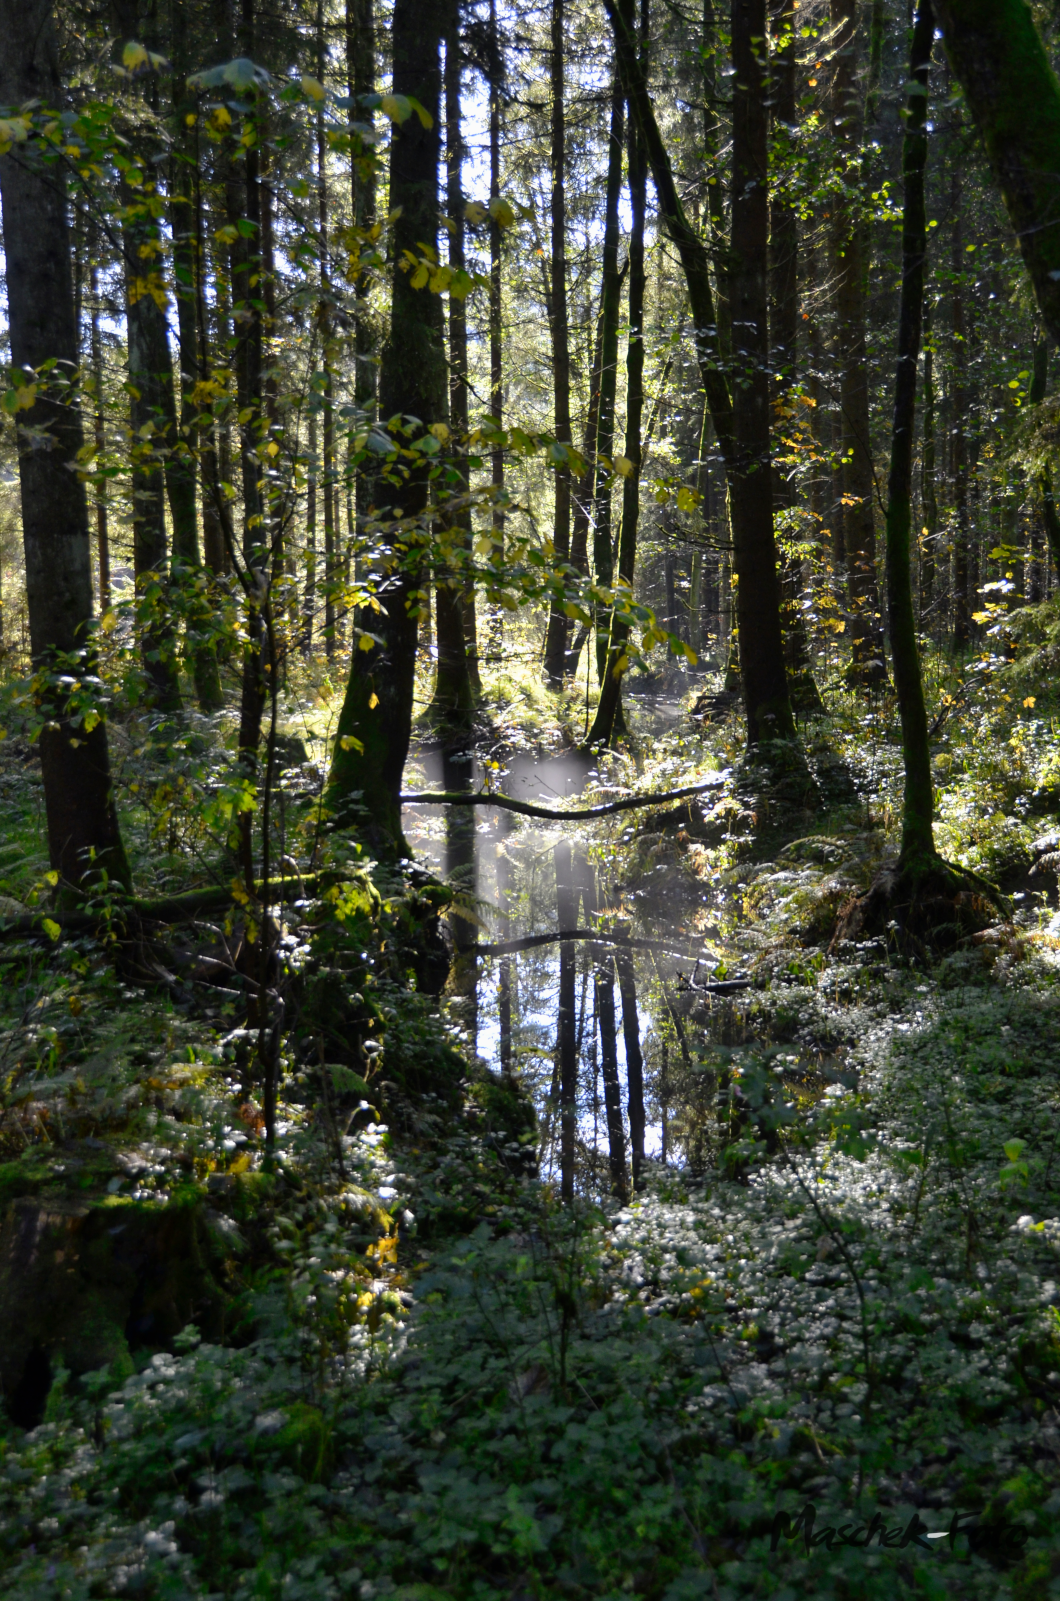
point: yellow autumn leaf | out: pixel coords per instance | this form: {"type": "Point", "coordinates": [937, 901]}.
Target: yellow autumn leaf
{"type": "Point", "coordinates": [396, 107]}
{"type": "Point", "coordinates": [1029, 702]}
{"type": "Point", "coordinates": [51, 929]}
{"type": "Point", "coordinates": [688, 499]}
{"type": "Point", "coordinates": [312, 88]}
{"type": "Point", "coordinates": [502, 213]}
{"type": "Point", "coordinates": [440, 431]}
{"type": "Point", "coordinates": [241, 1164]}
{"type": "Point", "coordinates": [134, 56]}
{"type": "Point", "coordinates": [348, 742]}
{"type": "Point", "coordinates": [14, 130]}
{"type": "Point", "coordinates": [51, 878]}
{"type": "Point", "coordinates": [373, 701]}
{"type": "Point", "coordinates": [624, 466]}
{"type": "Point", "coordinates": [109, 621]}
{"type": "Point", "coordinates": [475, 213]}
{"type": "Point", "coordinates": [366, 642]}
{"type": "Point", "coordinates": [419, 277]}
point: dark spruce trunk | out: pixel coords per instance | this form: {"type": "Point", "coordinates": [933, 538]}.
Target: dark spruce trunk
{"type": "Point", "coordinates": [378, 705]}
{"type": "Point", "coordinates": [755, 557]}
{"type": "Point", "coordinates": [454, 694]}
{"type": "Point", "coordinates": [849, 266]}
{"type": "Point", "coordinates": [917, 840]}
{"type": "Point", "coordinates": [635, 1076]}
{"type": "Point", "coordinates": [611, 291]}
{"type": "Point", "coordinates": [784, 321]}
{"type": "Point", "coordinates": [604, 989]}
{"type": "Point", "coordinates": [609, 716]}
{"type": "Point", "coordinates": [959, 439]}
{"type": "Point", "coordinates": [497, 455]}
{"type": "Point", "coordinates": [556, 635]}
{"type": "Point", "coordinates": [83, 836]}
{"type": "Point", "coordinates": [762, 659]}
{"type": "Point", "coordinates": [566, 1044]}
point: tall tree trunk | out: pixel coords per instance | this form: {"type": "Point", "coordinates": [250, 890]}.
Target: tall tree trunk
{"type": "Point", "coordinates": [997, 56]}
{"type": "Point", "coordinates": [758, 598]}
{"type": "Point", "coordinates": [609, 715]}
{"type": "Point", "coordinates": [611, 288]}
{"type": "Point", "coordinates": [1047, 505]}
{"type": "Point", "coordinates": [152, 425]}
{"type": "Point", "coordinates": [929, 503]}
{"type": "Point", "coordinates": [454, 686]}
{"type": "Point", "coordinates": [328, 354]}
{"type": "Point", "coordinates": [378, 705]}
{"type": "Point", "coordinates": [309, 593]}
{"type": "Point", "coordinates": [556, 636]}
{"type": "Point", "coordinates": [784, 322]}
{"type": "Point", "coordinates": [959, 440]}
{"type": "Point", "coordinates": [361, 76]}
{"type": "Point", "coordinates": [848, 236]}
{"type": "Point", "coordinates": [635, 1072]}
{"type": "Point", "coordinates": [83, 836]}
{"type": "Point", "coordinates": [716, 177]}
{"type": "Point", "coordinates": [755, 558]}
{"type": "Point", "coordinates": [103, 549]}
{"type": "Point", "coordinates": [918, 846]}
{"type": "Point", "coordinates": [604, 989]}
{"type": "Point", "coordinates": [497, 454]}
{"type": "Point", "coordinates": [567, 1051]}
{"type": "Point", "coordinates": [181, 467]}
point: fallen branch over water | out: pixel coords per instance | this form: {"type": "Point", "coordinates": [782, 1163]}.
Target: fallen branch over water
{"type": "Point", "coordinates": [445, 797]}
{"type": "Point", "coordinates": [509, 947]}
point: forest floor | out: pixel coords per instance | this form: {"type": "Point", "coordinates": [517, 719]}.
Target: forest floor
{"type": "Point", "coordinates": [388, 1363]}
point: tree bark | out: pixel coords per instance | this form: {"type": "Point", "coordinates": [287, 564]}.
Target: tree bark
{"type": "Point", "coordinates": [758, 598]}
{"type": "Point", "coordinates": [181, 474]}
{"type": "Point", "coordinates": [378, 705]}
{"type": "Point", "coordinates": [929, 541]}
{"type": "Point", "coordinates": [959, 439]}
{"type": "Point", "coordinates": [611, 289]}
{"type": "Point", "coordinates": [755, 558]}
{"type": "Point", "coordinates": [604, 988]}
{"type": "Point", "coordinates": [784, 321]}
{"type": "Point", "coordinates": [556, 636]}
{"type": "Point", "coordinates": [635, 1072]}
{"type": "Point", "coordinates": [998, 58]}
{"type": "Point", "coordinates": [567, 1051]}
{"type": "Point", "coordinates": [608, 717]}
{"type": "Point", "coordinates": [361, 76]}
{"type": "Point", "coordinates": [917, 839]}
{"type": "Point", "coordinates": [103, 549]}
{"type": "Point", "coordinates": [848, 237]}
{"type": "Point", "coordinates": [454, 686]}
{"type": "Point", "coordinates": [83, 835]}
{"type": "Point", "coordinates": [497, 454]}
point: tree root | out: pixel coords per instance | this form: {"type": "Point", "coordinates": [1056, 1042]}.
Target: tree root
{"type": "Point", "coordinates": [922, 909]}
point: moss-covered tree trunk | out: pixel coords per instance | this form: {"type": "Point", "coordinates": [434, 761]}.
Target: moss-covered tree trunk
{"type": "Point", "coordinates": [372, 737]}
{"type": "Point", "coordinates": [82, 824]}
